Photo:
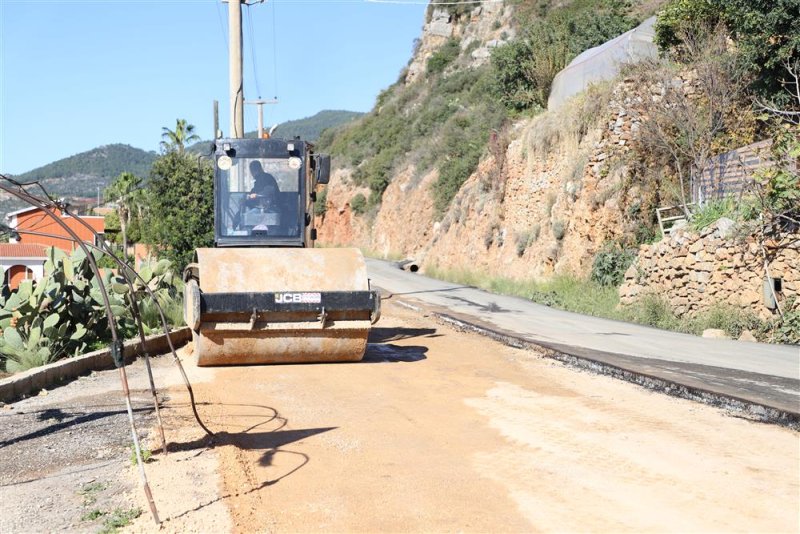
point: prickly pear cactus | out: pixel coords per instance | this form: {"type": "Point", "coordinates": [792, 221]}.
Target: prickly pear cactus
{"type": "Point", "coordinates": [63, 314]}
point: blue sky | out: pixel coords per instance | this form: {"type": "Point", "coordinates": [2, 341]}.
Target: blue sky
{"type": "Point", "coordinates": [78, 74]}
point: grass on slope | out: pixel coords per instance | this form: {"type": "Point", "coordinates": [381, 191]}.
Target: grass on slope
{"type": "Point", "coordinates": [590, 298]}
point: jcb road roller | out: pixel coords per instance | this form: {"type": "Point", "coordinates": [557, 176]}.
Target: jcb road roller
{"type": "Point", "coordinates": [264, 294]}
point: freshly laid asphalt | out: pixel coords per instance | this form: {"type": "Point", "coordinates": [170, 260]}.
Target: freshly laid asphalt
{"type": "Point", "coordinates": [757, 374]}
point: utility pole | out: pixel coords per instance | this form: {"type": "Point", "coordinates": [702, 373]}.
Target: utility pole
{"type": "Point", "coordinates": [235, 60]}
{"type": "Point", "coordinates": [216, 120]}
{"type": "Point", "coordinates": [260, 103]}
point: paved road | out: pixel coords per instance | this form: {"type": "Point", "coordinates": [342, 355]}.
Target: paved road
{"type": "Point", "coordinates": [768, 375]}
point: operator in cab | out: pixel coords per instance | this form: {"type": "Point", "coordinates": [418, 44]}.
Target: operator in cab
{"type": "Point", "coordinates": [261, 211]}
{"type": "Point", "coordinates": [265, 188]}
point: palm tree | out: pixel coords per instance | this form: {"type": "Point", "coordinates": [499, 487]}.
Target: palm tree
{"type": "Point", "coordinates": [177, 139]}
{"type": "Point", "coordinates": [125, 191]}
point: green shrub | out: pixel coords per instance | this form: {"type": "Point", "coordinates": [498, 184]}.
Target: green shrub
{"type": "Point", "coordinates": [652, 310]}
{"type": "Point", "coordinates": [321, 204]}
{"type": "Point", "coordinates": [443, 57]}
{"type": "Point", "coordinates": [767, 37]}
{"type": "Point", "coordinates": [525, 68]}
{"type": "Point", "coordinates": [787, 329]}
{"type": "Point", "coordinates": [764, 31]}
{"type": "Point", "coordinates": [63, 313]}
{"type": "Point", "coordinates": [463, 141]}
{"type": "Point", "coordinates": [610, 264]}
{"type": "Point", "coordinates": [521, 240]}
{"type": "Point", "coordinates": [711, 212]}
{"type": "Point", "coordinates": [180, 214]}
{"type": "Point", "coordinates": [780, 186]}
{"type": "Point", "coordinates": [731, 319]}
{"type": "Point", "coordinates": [358, 204]}
{"type": "Point", "coordinates": [119, 518]}
{"type": "Point", "coordinates": [559, 229]}
{"type": "Point", "coordinates": [678, 16]}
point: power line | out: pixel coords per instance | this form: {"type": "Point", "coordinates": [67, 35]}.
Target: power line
{"type": "Point", "coordinates": [274, 50]}
{"type": "Point", "coordinates": [318, 2]}
{"type": "Point", "coordinates": [222, 25]}
{"type": "Point", "coordinates": [253, 60]}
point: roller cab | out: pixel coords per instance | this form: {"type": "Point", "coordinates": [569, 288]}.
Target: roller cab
{"type": "Point", "coordinates": [264, 294]}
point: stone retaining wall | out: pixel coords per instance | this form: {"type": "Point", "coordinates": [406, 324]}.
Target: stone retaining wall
{"type": "Point", "coordinates": [695, 271]}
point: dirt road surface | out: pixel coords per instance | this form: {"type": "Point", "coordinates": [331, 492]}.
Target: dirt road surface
{"type": "Point", "coordinates": [436, 430]}
{"type": "Point", "coordinates": [445, 431]}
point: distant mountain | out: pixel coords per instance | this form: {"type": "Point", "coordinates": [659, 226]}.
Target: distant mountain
{"type": "Point", "coordinates": [80, 175]}
{"type": "Point", "coordinates": [308, 129]}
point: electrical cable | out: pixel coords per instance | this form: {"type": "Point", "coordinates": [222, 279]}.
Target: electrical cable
{"type": "Point", "coordinates": [222, 26]}
{"type": "Point", "coordinates": [294, 2]}
{"type": "Point", "coordinates": [253, 60]}
{"type": "Point", "coordinates": [274, 50]}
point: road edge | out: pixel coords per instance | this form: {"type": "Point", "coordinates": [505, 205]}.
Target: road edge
{"type": "Point", "coordinates": [736, 406]}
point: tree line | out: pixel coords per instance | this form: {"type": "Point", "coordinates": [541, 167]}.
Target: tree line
{"type": "Point", "coordinates": [172, 211]}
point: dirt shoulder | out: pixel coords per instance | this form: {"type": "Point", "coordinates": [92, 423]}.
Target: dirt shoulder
{"type": "Point", "coordinates": [444, 431]}
{"type": "Point", "coordinates": [436, 430]}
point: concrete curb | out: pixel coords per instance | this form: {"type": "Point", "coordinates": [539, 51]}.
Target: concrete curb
{"type": "Point", "coordinates": [28, 382]}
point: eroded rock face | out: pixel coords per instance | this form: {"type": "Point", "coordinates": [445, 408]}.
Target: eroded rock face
{"type": "Point", "coordinates": [545, 197]}
{"type": "Point", "coordinates": [542, 201]}
{"type": "Point", "coordinates": [486, 27]}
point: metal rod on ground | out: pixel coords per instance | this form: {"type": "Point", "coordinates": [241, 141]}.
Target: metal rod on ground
{"type": "Point", "coordinates": [116, 344]}
{"type": "Point", "coordinates": [165, 326]}
{"type": "Point", "coordinates": [137, 319]}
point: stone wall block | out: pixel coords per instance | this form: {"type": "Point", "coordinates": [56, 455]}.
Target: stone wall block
{"type": "Point", "coordinates": [697, 246]}
{"type": "Point", "coordinates": [704, 266]}
{"type": "Point", "coordinates": [749, 297]}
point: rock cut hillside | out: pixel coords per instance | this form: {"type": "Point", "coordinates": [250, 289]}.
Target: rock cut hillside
{"type": "Point", "coordinates": [546, 192]}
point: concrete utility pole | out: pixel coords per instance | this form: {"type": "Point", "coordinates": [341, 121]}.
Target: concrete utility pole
{"type": "Point", "coordinates": [235, 60]}
{"type": "Point", "coordinates": [216, 119]}
{"type": "Point", "coordinates": [260, 103]}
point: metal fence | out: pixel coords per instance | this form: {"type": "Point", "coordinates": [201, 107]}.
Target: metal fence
{"type": "Point", "coordinates": [731, 173]}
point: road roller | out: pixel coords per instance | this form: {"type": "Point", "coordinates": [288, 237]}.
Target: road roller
{"type": "Point", "coordinates": [264, 294]}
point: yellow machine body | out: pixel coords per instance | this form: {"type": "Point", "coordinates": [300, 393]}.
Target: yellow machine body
{"type": "Point", "coordinates": [264, 294]}
{"type": "Point", "coordinates": [253, 336]}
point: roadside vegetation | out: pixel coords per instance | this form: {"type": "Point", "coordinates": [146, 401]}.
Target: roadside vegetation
{"type": "Point", "coordinates": [62, 314]}
{"type": "Point", "coordinates": [590, 297]}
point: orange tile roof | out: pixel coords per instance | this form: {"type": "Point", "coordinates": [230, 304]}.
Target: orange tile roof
{"type": "Point", "coordinates": [22, 250]}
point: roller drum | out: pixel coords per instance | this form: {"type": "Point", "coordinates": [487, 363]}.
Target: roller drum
{"type": "Point", "coordinates": [276, 333]}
